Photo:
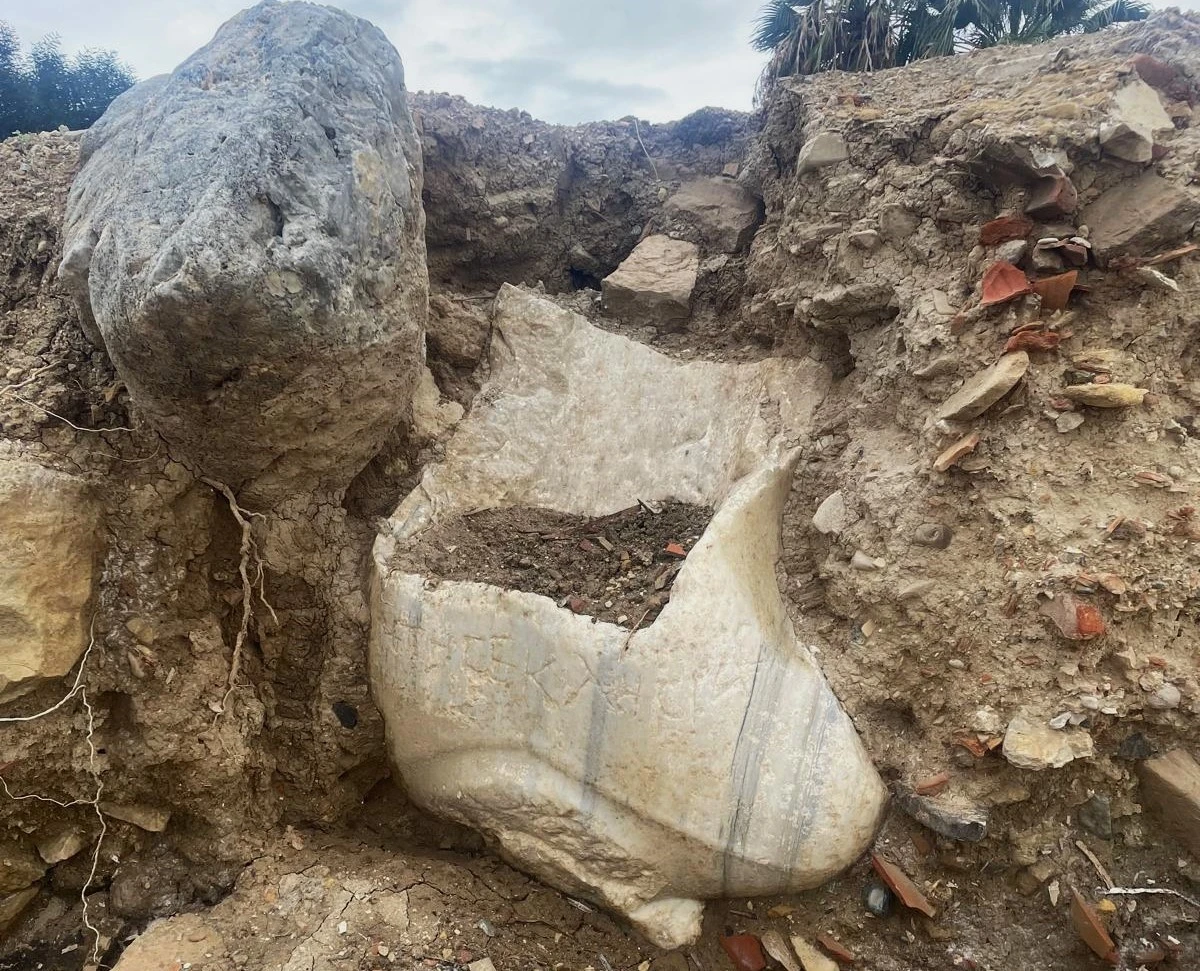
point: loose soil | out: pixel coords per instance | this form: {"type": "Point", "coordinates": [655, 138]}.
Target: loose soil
{"type": "Point", "coordinates": [618, 568]}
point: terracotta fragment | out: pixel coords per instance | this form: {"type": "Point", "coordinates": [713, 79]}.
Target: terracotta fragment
{"type": "Point", "coordinates": [1055, 291]}
{"type": "Point", "coordinates": [1090, 930]}
{"type": "Point", "coordinates": [956, 452]}
{"type": "Point", "coordinates": [1003, 282]}
{"type": "Point", "coordinates": [745, 952]}
{"type": "Point", "coordinates": [836, 948]}
{"type": "Point", "coordinates": [1004, 228]}
{"type": "Point", "coordinates": [1076, 619]}
{"type": "Point", "coordinates": [907, 891]}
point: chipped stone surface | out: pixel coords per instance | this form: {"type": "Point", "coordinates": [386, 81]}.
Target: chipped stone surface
{"type": "Point", "coordinates": [823, 149]}
{"type": "Point", "coordinates": [610, 709]}
{"type": "Point", "coordinates": [724, 213]}
{"type": "Point", "coordinates": [655, 282]}
{"type": "Point", "coordinates": [49, 547]}
{"type": "Point", "coordinates": [1170, 788]}
{"type": "Point", "coordinates": [832, 516]}
{"type": "Point", "coordinates": [1030, 743]}
{"type": "Point", "coordinates": [1140, 217]}
{"type": "Point", "coordinates": [179, 942]}
{"type": "Point", "coordinates": [987, 387]}
{"type": "Point", "coordinates": [1135, 116]}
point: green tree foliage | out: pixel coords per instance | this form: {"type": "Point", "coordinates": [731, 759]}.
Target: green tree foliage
{"type": "Point", "coordinates": [807, 36]}
{"type": "Point", "coordinates": [44, 89]}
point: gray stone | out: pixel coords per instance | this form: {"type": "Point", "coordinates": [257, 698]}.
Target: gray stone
{"type": "Point", "coordinates": [150, 818]}
{"type": "Point", "coordinates": [1140, 217]}
{"type": "Point", "coordinates": [724, 213]}
{"type": "Point", "coordinates": [1095, 816]}
{"type": "Point", "coordinates": [1135, 115]}
{"type": "Point", "coordinates": [985, 388]}
{"type": "Point", "coordinates": [1030, 743]}
{"type": "Point", "coordinates": [246, 239]}
{"type": "Point", "coordinates": [19, 867]}
{"type": "Point", "coordinates": [824, 148]}
{"type": "Point", "coordinates": [1166, 698]}
{"type": "Point", "coordinates": [654, 284]}
{"type": "Point", "coordinates": [947, 817]}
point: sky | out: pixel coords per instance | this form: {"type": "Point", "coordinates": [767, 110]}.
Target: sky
{"type": "Point", "coordinates": [561, 60]}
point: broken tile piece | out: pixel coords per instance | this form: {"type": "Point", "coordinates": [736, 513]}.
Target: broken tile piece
{"type": "Point", "coordinates": [1090, 930]}
{"type": "Point", "coordinates": [956, 452]}
{"type": "Point", "coordinates": [905, 890]}
{"type": "Point", "coordinates": [836, 948]}
{"type": "Point", "coordinates": [1003, 282]}
{"type": "Point", "coordinates": [1004, 228]}
{"type": "Point", "coordinates": [1055, 291]}
{"type": "Point", "coordinates": [745, 952]}
{"type": "Point", "coordinates": [1076, 619]}
{"type": "Point", "coordinates": [1052, 197]}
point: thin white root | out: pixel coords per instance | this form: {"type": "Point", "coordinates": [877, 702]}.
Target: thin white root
{"type": "Point", "coordinates": [77, 688]}
{"type": "Point", "coordinates": [638, 128]}
{"type": "Point", "coordinates": [249, 554]}
{"type": "Point", "coordinates": [65, 421]}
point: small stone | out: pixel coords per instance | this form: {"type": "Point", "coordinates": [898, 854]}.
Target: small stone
{"type": "Point", "coordinates": [832, 517]}
{"type": "Point", "coordinates": [776, 947]}
{"type": "Point", "coordinates": [1030, 743]}
{"type": "Point", "coordinates": [1068, 421]}
{"type": "Point", "coordinates": [933, 535]}
{"type": "Point", "coordinates": [1033, 877]}
{"type": "Point", "coordinates": [13, 905]}
{"type": "Point", "coordinates": [483, 964]}
{"type": "Point", "coordinates": [1012, 251]}
{"type": "Point", "coordinates": [1095, 816]}
{"type": "Point", "coordinates": [914, 589]}
{"type": "Point", "coordinates": [145, 631]}
{"type": "Point", "coordinates": [824, 148]}
{"type": "Point", "coordinates": [860, 561]}
{"type": "Point", "coordinates": [1112, 395]}
{"type": "Point", "coordinates": [812, 959]}
{"type": "Point", "coordinates": [1155, 278]}
{"type": "Point", "coordinates": [878, 899]}
{"type": "Point", "coordinates": [1165, 698]}
{"type": "Point", "coordinates": [985, 388]}
{"type": "Point", "coordinates": [953, 819]}
{"type": "Point", "coordinates": [868, 239]}
{"type": "Point", "coordinates": [62, 846]}
{"type": "Point", "coordinates": [1052, 197]}
{"type": "Point", "coordinates": [939, 366]}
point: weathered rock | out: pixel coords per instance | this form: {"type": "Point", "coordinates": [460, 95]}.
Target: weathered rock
{"type": "Point", "coordinates": [824, 148]}
{"type": "Point", "coordinates": [62, 845]}
{"type": "Point", "coordinates": [1052, 197]}
{"type": "Point", "coordinates": [150, 818]}
{"type": "Point", "coordinates": [187, 940]}
{"type": "Point", "coordinates": [810, 958]}
{"type": "Point", "coordinates": [1133, 118]}
{"type": "Point", "coordinates": [49, 545]}
{"type": "Point", "coordinates": [13, 905]}
{"type": "Point", "coordinates": [987, 387]}
{"type": "Point", "coordinates": [539, 726]}
{"type": "Point", "coordinates": [1170, 788]}
{"type": "Point", "coordinates": [246, 239]}
{"type": "Point", "coordinates": [19, 867]}
{"type": "Point", "coordinates": [1095, 816]}
{"type": "Point", "coordinates": [1112, 395]}
{"type": "Point", "coordinates": [954, 819]}
{"type": "Point", "coordinates": [1140, 217]}
{"type": "Point", "coordinates": [1165, 698]}
{"type": "Point", "coordinates": [724, 213]}
{"type": "Point", "coordinates": [655, 282]}
{"type": "Point", "coordinates": [1030, 743]}
{"type": "Point", "coordinates": [832, 517]}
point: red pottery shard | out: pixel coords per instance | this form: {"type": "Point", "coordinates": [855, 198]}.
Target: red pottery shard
{"type": "Point", "coordinates": [836, 948]}
{"type": "Point", "coordinates": [674, 549]}
{"type": "Point", "coordinates": [745, 952]}
{"type": "Point", "coordinates": [1031, 340]}
{"type": "Point", "coordinates": [901, 885]}
{"type": "Point", "coordinates": [1055, 291]}
{"type": "Point", "coordinates": [1090, 930]}
{"type": "Point", "coordinates": [1003, 282]}
{"type": "Point", "coordinates": [1154, 72]}
{"type": "Point", "coordinates": [1004, 228]}
{"type": "Point", "coordinates": [932, 785]}
{"type": "Point", "coordinates": [1076, 619]}
{"type": "Point", "coordinates": [1052, 197]}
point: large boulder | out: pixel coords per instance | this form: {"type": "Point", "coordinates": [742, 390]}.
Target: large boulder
{"type": "Point", "coordinates": [702, 755]}
{"type": "Point", "coordinates": [246, 238]}
{"type": "Point", "coordinates": [49, 544]}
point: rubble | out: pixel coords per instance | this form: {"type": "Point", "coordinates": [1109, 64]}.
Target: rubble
{"type": "Point", "coordinates": [1134, 117]}
{"type": "Point", "coordinates": [723, 212]}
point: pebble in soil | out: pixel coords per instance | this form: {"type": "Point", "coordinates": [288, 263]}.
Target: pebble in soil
{"type": "Point", "coordinates": [617, 568]}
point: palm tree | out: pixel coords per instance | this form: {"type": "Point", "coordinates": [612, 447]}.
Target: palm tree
{"type": "Point", "coordinates": [807, 36]}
